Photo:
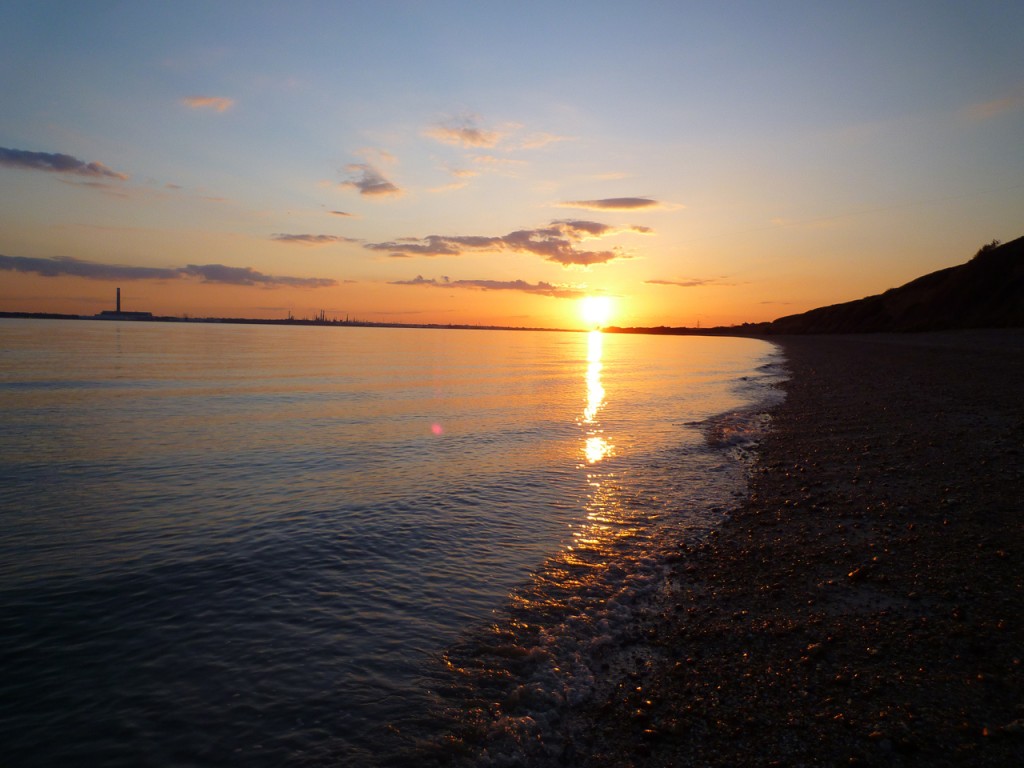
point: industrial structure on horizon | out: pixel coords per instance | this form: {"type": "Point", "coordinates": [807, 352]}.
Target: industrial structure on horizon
{"type": "Point", "coordinates": [117, 314]}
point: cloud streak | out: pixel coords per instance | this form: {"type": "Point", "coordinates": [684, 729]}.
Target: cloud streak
{"type": "Point", "coordinates": [57, 163]}
{"type": "Point", "coordinates": [312, 239]}
{"type": "Point", "coordinates": [369, 181]}
{"type": "Point", "coordinates": [989, 110]}
{"type": "Point", "coordinates": [558, 242]}
{"type": "Point", "coordinates": [695, 283]}
{"type": "Point", "coordinates": [502, 165]}
{"type": "Point", "coordinates": [537, 289]}
{"type": "Point", "coordinates": [218, 273]}
{"type": "Point", "coordinates": [60, 266]}
{"type": "Point", "coordinates": [613, 204]}
{"type": "Point", "coordinates": [217, 103]}
{"type": "Point", "coordinates": [464, 132]}
{"type": "Point", "coordinates": [542, 139]}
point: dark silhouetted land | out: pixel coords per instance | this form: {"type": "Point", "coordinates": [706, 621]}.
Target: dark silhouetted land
{"type": "Point", "coordinates": [148, 317]}
{"type": "Point", "coordinates": [986, 292]}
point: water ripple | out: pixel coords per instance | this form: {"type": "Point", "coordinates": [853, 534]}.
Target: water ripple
{"type": "Point", "coordinates": [274, 546]}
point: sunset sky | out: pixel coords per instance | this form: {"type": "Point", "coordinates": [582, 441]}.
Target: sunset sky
{"type": "Point", "coordinates": [486, 162]}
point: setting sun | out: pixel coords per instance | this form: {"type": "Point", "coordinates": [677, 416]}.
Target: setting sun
{"type": "Point", "coordinates": [596, 310]}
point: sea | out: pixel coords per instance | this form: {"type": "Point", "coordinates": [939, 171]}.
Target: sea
{"type": "Point", "coordinates": [271, 545]}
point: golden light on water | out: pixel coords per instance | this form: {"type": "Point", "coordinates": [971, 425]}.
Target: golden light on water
{"type": "Point", "coordinates": [595, 447]}
{"type": "Point", "coordinates": [595, 391]}
{"type": "Point", "coordinates": [596, 310]}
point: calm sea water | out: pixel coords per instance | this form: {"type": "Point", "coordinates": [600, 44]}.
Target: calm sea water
{"type": "Point", "coordinates": [265, 546]}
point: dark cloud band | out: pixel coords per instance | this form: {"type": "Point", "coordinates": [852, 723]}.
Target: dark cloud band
{"type": "Point", "coordinates": [207, 273]}
{"type": "Point", "coordinates": [56, 163]}
{"type": "Point", "coordinates": [557, 242]}
{"type": "Point", "coordinates": [312, 239]}
{"type": "Point", "coordinates": [613, 204]}
{"type": "Point", "coordinates": [537, 289]}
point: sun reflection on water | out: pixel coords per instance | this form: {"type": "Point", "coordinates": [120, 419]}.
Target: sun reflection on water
{"type": "Point", "coordinates": [578, 624]}
{"type": "Point", "coordinates": [596, 447]}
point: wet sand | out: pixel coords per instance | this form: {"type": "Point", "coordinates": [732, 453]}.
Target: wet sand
{"type": "Point", "coordinates": [865, 605]}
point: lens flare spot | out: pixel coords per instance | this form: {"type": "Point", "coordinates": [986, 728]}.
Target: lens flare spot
{"type": "Point", "coordinates": [437, 429]}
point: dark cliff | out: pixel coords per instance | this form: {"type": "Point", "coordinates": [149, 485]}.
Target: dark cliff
{"type": "Point", "coordinates": [986, 292]}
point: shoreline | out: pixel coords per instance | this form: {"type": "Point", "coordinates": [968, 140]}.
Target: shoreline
{"type": "Point", "coordinates": [865, 604]}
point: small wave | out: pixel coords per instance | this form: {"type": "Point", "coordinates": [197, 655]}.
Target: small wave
{"type": "Point", "coordinates": [506, 693]}
{"type": "Point", "coordinates": [736, 430]}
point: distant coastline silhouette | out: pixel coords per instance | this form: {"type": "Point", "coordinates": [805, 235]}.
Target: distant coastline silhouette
{"type": "Point", "coordinates": [985, 292]}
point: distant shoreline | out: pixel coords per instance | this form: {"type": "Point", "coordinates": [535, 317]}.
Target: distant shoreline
{"type": "Point", "coordinates": [127, 317]}
{"type": "Point", "coordinates": [747, 330]}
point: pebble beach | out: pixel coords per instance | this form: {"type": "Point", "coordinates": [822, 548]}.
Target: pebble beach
{"type": "Point", "coordinates": [865, 604]}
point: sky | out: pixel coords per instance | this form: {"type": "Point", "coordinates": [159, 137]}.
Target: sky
{"type": "Point", "coordinates": [493, 163]}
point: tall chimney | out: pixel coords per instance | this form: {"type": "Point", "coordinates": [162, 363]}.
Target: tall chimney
{"type": "Point", "coordinates": [119, 300]}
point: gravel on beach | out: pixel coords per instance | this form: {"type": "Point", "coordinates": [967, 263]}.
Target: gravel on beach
{"type": "Point", "coordinates": [865, 605]}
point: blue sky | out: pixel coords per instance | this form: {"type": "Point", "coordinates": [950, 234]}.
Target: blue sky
{"type": "Point", "coordinates": [491, 162]}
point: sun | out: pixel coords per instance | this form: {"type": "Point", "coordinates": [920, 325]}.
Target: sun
{"type": "Point", "coordinates": [596, 310]}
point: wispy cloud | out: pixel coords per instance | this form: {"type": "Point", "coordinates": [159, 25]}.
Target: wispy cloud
{"type": "Point", "coordinates": [370, 182]}
{"type": "Point", "coordinates": [542, 139]}
{"type": "Point", "coordinates": [988, 110]}
{"type": "Point", "coordinates": [461, 176]}
{"type": "Point", "coordinates": [312, 239]}
{"type": "Point", "coordinates": [57, 163]}
{"type": "Point", "coordinates": [106, 187]}
{"type": "Point", "coordinates": [694, 283]}
{"type": "Point", "coordinates": [449, 187]}
{"type": "Point", "coordinates": [207, 273]}
{"type": "Point", "coordinates": [217, 103]}
{"type": "Point", "coordinates": [463, 131]}
{"type": "Point", "coordinates": [340, 213]}
{"type": "Point", "coordinates": [556, 242]}
{"type": "Point", "coordinates": [614, 204]}
{"type": "Point", "coordinates": [218, 273]}
{"type": "Point", "coordinates": [466, 133]}
{"type": "Point", "coordinates": [538, 289]}
{"type": "Point", "coordinates": [500, 165]}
